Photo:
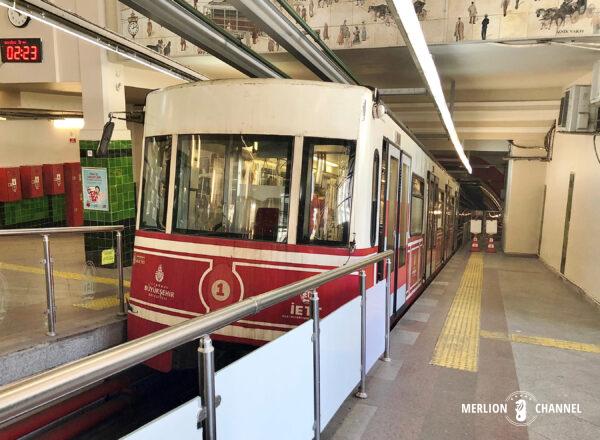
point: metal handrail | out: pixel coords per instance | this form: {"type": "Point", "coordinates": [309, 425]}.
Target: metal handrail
{"type": "Point", "coordinates": [64, 230]}
{"type": "Point", "coordinates": [48, 262]}
{"type": "Point", "coordinates": [33, 393]}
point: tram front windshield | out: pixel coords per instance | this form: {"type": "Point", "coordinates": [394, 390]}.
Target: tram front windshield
{"type": "Point", "coordinates": [233, 186]}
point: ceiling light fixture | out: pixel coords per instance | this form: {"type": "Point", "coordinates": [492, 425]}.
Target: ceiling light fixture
{"type": "Point", "coordinates": [409, 25]}
{"type": "Point", "coordinates": [69, 123]}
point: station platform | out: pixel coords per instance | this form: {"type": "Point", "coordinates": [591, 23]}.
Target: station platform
{"type": "Point", "coordinates": [86, 303]}
{"type": "Point", "coordinates": [488, 326]}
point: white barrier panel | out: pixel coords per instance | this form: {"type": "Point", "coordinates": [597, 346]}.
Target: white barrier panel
{"type": "Point", "coordinates": [179, 423]}
{"type": "Point", "coordinates": [340, 357]}
{"type": "Point", "coordinates": [400, 299]}
{"type": "Point", "coordinates": [375, 323]}
{"type": "Point", "coordinates": [268, 394]}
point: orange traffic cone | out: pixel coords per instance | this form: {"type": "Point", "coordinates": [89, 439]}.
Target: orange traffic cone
{"type": "Point", "coordinates": [475, 244]}
{"type": "Point", "coordinates": [491, 248]}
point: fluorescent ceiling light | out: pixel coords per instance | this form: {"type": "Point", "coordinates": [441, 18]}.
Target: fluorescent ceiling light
{"type": "Point", "coordinates": [94, 42]}
{"type": "Point", "coordinates": [411, 29]}
{"type": "Point", "coordinates": [2, 118]}
{"type": "Point", "coordinates": [69, 123]}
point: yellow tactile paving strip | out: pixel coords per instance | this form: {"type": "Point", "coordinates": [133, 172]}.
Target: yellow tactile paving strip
{"type": "Point", "coordinates": [107, 302]}
{"type": "Point", "coordinates": [458, 344]}
{"type": "Point", "coordinates": [538, 340]}
{"type": "Point", "coordinates": [61, 274]}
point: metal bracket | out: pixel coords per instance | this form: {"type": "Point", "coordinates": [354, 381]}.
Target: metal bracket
{"type": "Point", "coordinates": [202, 412]}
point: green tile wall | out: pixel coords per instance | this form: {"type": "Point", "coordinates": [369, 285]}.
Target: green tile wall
{"type": "Point", "coordinates": [42, 212]}
{"type": "Point", "coordinates": [121, 198]}
{"type": "Point", "coordinates": [26, 211]}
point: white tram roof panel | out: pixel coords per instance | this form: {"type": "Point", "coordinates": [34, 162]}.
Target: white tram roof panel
{"type": "Point", "coordinates": [259, 106]}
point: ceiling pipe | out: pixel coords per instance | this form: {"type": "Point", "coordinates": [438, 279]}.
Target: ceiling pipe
{"type": "Point", "coordinates": [403, 91]}
{"type": "Point", "coordinates": [182, 19]}
{"type": "Point", "coordinates": [317, 39]}
{"type": "Point", "coordinates": [79, 27]}
{"type": "Point", "coordinates": [266, 15]}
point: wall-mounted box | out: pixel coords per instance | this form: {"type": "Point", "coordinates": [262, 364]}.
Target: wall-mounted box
{"type": "Point", "coordinates": [74, 194]}
{"type": "Point", "coordinates": [54, 179]}
{"type": "Point", "coordinates": [10, 185]}
{"type": "Point", "coordinates": [575, 110]}
{"type": "Point", "coordinates": [31, 181]}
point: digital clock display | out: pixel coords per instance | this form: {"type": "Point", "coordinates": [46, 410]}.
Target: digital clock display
{"type": "Point", "coordinates": [21, 50]}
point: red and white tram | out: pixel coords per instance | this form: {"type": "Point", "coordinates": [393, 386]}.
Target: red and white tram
{"type": "Point", "coordinates": [248, 185]}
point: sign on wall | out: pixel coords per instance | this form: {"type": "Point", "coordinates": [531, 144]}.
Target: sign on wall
{"type": "Point", "coordinates": [95, 189]}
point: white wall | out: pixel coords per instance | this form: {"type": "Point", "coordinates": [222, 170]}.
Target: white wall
{"type": "Point", "coordinates": [574, 153]}
{"type": "Point", "coordinates": [36, 143]}
{"type": "Point", "coordinates": [523, 206]}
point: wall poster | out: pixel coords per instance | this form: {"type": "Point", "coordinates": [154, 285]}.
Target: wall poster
{"type": "Point", "coordinates": [95, 189]}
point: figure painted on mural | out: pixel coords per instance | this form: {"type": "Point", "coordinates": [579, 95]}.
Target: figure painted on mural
{"type": "Point", "coordinates": [472, 13]}
{"type": "Point", "coordinates": [380, 11]}
{"type": "Point", "coordinates": [459, 30]}
{"type": "Point", "coordinates": [356, 34]}
{"type": "Point", "coordinates": [149, 28]}
{"type": "Point", "coordinates": [325, 31]}
{"type": "Point", "coordinates": [516, 4]}
{"type": "Point", "coordinates": [298, 9]}
{"type": "Point", "coordinates": [195, 4]}
{"type": "Point", "coordinates": [344, 35]}
{"type": "Point", "coordinates": [271, 45]}
{"type": "Point", "coordinates": [484, 25]}
{"type": "Point", "coordinates": [419, 6]}
{"type": "Point", "coordinates": [311, 8]}
{"type": "Point", "coordinates": [304, 13]}
{"type": "Point", "coordinates": [254, 36]}
{"type": "Point", "coordinates": [183, 44]}
{"type": "Point", "coordinates": [363, 32]}
{"type": "Point", "coordinates": [248, 39]}
{"type": "Point", "coordinates": [158, 47]}
{"type": "Point", "coordinates": [167, 49]}
{"type": "Point", "coordinates": [505, 4]}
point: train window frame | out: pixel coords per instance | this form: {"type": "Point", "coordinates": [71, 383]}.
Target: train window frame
{"type": "Point", "coordinates": [227, 234]}
{"type": "Point", "coordinates": [168, 139]}
{"type": "Point", "coordinates": [375, 198]}
{"type": "Point", "coordinates": [412, 204]}
{"type": "Point", "coordinates": [308, 144]}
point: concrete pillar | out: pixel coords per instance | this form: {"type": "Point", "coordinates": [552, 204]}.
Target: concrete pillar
{"type": "Point", "coordinates": [103, 91]}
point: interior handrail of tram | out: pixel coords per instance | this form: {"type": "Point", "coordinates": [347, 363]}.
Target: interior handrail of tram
{"type": "Point", "coordinates": [33, 394]}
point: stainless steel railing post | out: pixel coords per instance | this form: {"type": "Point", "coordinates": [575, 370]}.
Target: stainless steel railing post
{"type": "Point", "coordinates": [206, 371]}
{"type": "Point", "coordinates": [388, 299]}
{"type": "Point", "coordinates": [316, 340]}
{"type": "Point", "coordinates": [50, 300]}
{"type": "Point", "coordinates": [362, 389]}
{"type": "Point", "coordinates": [122, 306]}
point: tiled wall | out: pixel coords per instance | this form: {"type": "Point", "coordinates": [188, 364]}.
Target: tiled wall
{"type": "Point", "coordinates": [41, 212]}
{"type": "Point", "coordinates": [121, 190]}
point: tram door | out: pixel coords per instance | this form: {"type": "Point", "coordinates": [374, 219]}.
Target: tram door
{"type": "Point", "coordinates": [388, 226]}
{"type": "Point", "coordinates": [432, 197]}
{"type": "Point", "coordinates": [403, 222]}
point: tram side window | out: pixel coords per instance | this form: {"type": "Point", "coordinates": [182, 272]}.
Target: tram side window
{"type": "Point", "coordinates": [234, 186]}
{"type": "Point", "coordinates": [326, 198]}
{"type": "Point", "coordinates": [416, 206]}
{"type": "Point", "coordinates": [155, 183]}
